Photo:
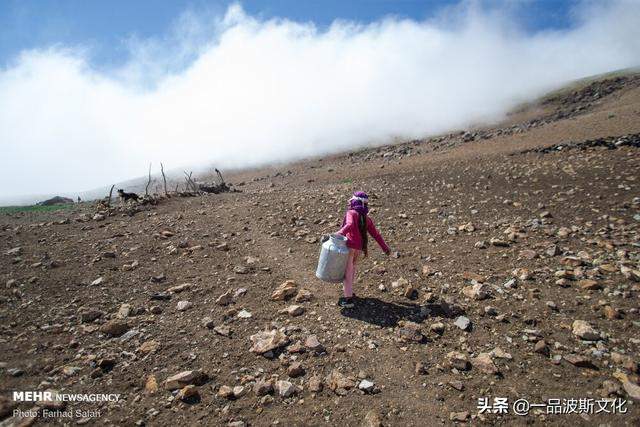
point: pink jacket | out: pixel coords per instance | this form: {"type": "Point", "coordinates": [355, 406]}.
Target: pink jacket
{"type": "Point", "coordinates": [351, 231]}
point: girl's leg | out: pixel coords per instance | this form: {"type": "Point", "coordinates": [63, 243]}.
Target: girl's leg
{"type": "Point", "coordinates": [349, 274]}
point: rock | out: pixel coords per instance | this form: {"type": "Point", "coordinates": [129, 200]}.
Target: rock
{"type": "Point", "coordinates": [17, 251]}
{"type": "Point", "coordinates": [311, 343]}
{"type": "Point", "coordinates": [293, 310]}
{"type": "Point", "coordinates": [498, 242]}
{"type": "Point", "coordinates": [490, 311]}
{"type": "Point", "coordinates": [463, 323]}
{"type": "Point", "coordinates": [183, 305]}
{"type": "Point", "coordinates": [180, 288]}
{"type": "Point", "coordinates": [244, 314]}
{"type": "Point", "coordinates": [457, 385]}
{"type": "Point", "coordinates": [115, 327]}
{"type": "Point", "coordinates": [411, 292]}
{"type": "Point", "coordinates": [90, 315]}
{"type": "Point", "coordinates": [267, 341]}
{"type": "Point", "coordinates": [149, 346]}
{"type": "Point", "coordinates": [188, 394]}
{"type": "Point", "coordinates": [474, 277]}
{"type": "Point", "coordinates": [184, 379]}
{"type": "Point", "coordinates": [303, 295]}
{"type": "Point", "coordinates": [225, 299]}
{"type": "Point", "coordinates": [579, 361]}
{"type": "Point", "coordinates": [337, 381]}
{"type": "Point", "coordinates": [589, 284]}
{"type": "Point", "coordinates": [286, 389]}
{"type": "Point", "coordinates": [459, 416]}
{"type": "Point", "coordinates": [151, 385]}
{"type": "Point", "coordinates": [400, 283]}
{"type": "Point", "coordinates": [372, 419]}
{"type": "Point", "coordinates": [421, 368]}
{"type": "Point", "coordinates": [241, 269]}
{"type": "Point", "coordinates": [476, 292]}
{"type": "Point", "coordinates": [97, 282]}
{"type": "Point", "coordinates": [285, 291]}
{"type": "Point", "coordinates": [239, 391]}
{"type": "Point", "coordinates": [263, 387]}
{"type": "Point", "coordinates": [458, 361]}
{"type": "Point", "coordinates": [499, 353]}
{"type": "Point", "coordinates": [366, 386]}
{"type": "Point", "coordinates": [611, 313]}
{"type": "Point", "coordinates": [585, 331]}
{"type": "Point", "coordinates": [481, 244]}
{"type": "Point", "coordinates": [437, 328]}
{"type": "Point", "coordinates": [225, 392]}
{"type": "Point", "coordinates": [223, 330]}
{"type": "Point", "coordinates": [410, 331]}
{"type": "Point", "coordinates": [295, 370]}
{"type": "Point", "coordinates": [552, 250]}
{"type": "Point", "coordinates": [625, 362]}
{"type": "Point", "coordinates": [207, 322]}
{"type": "Point", "coordinates": [124, 311]}
{"type": "Point", "coordinates": [484, 363]}
{"type": "Point", "coordinates": [528, 254]}
{"type": "Point", "coordinates": [541, 348]}
{"type": "Point", "coordinates": [156, 310]}
{"type": "Point", "coordinates": [315, 384]}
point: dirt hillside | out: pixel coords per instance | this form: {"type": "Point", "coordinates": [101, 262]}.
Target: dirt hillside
{"type": "Point", "coordinates": [515, 273]}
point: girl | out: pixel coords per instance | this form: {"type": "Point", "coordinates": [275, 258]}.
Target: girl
{"type": "Point", "coordinates": [355, 226]}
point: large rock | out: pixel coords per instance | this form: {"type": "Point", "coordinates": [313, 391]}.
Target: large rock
{"type": "Point", "coordinates": [265, 341]}
{"type": "Point", "coordinates": [286, 389]}
{"type": "Point", "coordinates": [478, 291]}
{"type": "Point", "coordinates": [484, 363]}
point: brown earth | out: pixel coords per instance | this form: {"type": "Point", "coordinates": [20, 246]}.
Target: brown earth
{"type": "Point", "coordinates": [564, 225]}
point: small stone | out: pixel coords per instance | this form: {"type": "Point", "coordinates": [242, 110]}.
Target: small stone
{"type": "Point", "coordinates": [421, 368]}
{"type": "Point", "coordinates": [315, 384]}
{"type": "Point", "coordinates": [312, 344]}
{"type": "Point", "coordinates": [437, 328]}
{"type": "Point", "coordinates": [115, 327]}
{"type": "Point", "coordinates": [151, 385]}
{"type": "Point", "coordinates": [149, 346]}
{"type": "Point", "coordinates": [611, 313]}
{"type": "Point", "coordinates": [207, 322]}
{"type": "Point", "coordinates": [293, 310]}
{"type": "Point", "coordinates": [244, 314]}
{"type": "Point", "coordinates": [90, 316]}
{"type": "Point", "coordinates": [459, 416]}
{"type": "Point", "coordinates": [579, 361]}
{"type": "Point", "coordinates": [156, 309]}
{"type": "Point", "coordinates": [188, 394]}
{"type": "Point", "coordinates": [124, 311]}
{"type": "Point", "coordinates": [338, 381]}
{"type": "Point", "coordinates": [589, 284]}
{"type": "Point", "coordinates": [411, 292]}
{"type": "Point", "coordinates": [372, 419]}
{"type": "Point", "coordinates": [458, 361]}
{"type": "Point", "coordinates": [366, 386]}
{"type": "Point", "coordinates": [484, 363]}
{"type": "Point", "coordinates": [585, 331]}
{"type": "Point", "coordinates": [225, 392]}
{"type": "Point", "coordinates": [286, 389]}
{"type": "Point", "coordinates": [183, 305]}
{"type": "Point", "coordinates": [183, 379]}
{"type": "Point", "coordinates": [541, 347]}
{"type": "Point", "coordinates": [285, 291]}
{"type": "Point", "coordinates": [295, 370]}
{"type": "Point", "coordinates": [223, 330]}
{"type": "Point", "coordinates": [303, 295]}
{"type": "Point", "coordinates": [267, 341]}
{"type": "Point", "coordinates": [225, 299]}
{"type": "Point", "coordinates": [263, 387]}
{"type": "Point", "coordinates": [478, 291]}
{"type": "Point", "coordinates": [463, 323]}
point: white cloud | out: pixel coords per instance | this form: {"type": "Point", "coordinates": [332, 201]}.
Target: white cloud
{"type": "Point", "coordinates": [239, 91]}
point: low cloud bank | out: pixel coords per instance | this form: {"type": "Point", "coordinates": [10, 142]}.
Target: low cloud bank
{"type": "Point", "coordinates": [238, 91]}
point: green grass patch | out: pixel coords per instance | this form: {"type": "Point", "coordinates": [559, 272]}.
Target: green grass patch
{"type": "Point", "coordinates": [347, 181]}
{"type": "Point", "coordinates": [33, 208]}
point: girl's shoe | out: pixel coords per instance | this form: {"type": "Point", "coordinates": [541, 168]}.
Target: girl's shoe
{"type": "Point", "coordinates": [345, 302]}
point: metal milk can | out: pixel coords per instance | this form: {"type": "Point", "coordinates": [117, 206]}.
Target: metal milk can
{"type": "Point", "coordinates": [333, 259]}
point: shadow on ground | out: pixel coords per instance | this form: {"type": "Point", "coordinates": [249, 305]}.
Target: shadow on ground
{"type": "Point", "coordinates": [388, 314]}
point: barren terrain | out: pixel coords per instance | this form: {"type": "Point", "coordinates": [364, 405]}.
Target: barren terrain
{"type": "Point", "coordinates": [514, 273]}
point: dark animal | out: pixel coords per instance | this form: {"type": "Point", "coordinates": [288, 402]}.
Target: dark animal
{"type": "Point", "coordinates": [127, 196]}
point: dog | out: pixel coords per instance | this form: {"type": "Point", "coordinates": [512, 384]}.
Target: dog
{"type": "Point", "coordinates": [128, 196]}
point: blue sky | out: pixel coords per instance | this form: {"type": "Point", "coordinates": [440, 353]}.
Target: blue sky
{"type": "Point", "coordinates": [105, 26]}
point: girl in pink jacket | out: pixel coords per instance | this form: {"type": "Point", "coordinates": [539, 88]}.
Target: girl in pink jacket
{"type": "Point", "coordinates": [356, 226]}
